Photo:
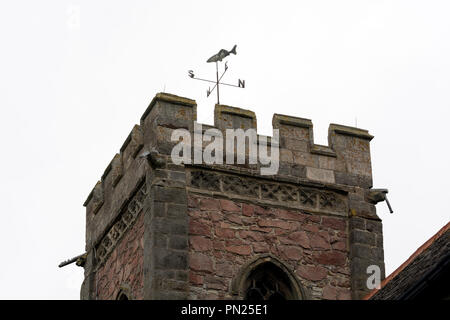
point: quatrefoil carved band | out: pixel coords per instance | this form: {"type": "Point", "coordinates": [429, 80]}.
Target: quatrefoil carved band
{"type": "Point", "coordinates": [278, 192]}
{"type": "Point", "coordinates": [125, 221]}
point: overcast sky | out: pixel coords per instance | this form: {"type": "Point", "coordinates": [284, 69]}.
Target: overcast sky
{"type": "Point", "coordinates": [75, 76]}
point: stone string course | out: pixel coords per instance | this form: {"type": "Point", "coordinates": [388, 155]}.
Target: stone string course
{"type": "Point", "coordinates": [288, 194]}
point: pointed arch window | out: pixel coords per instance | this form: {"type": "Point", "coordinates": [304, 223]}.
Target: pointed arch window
{"type": "Point", "coordinates": [122, 296]}
{"type": "Point", "coordinates": [267, 278]}
{"type": "Point", "coordinates": [268, 282]}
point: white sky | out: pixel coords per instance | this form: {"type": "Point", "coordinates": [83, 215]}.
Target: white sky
{"type": "Point", "coordinates": [75, 76]}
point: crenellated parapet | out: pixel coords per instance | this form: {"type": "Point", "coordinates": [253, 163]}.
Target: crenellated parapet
{"type": "Point", "coordinates": [345, 161]}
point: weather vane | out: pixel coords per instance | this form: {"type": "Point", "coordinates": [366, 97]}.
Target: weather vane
{"type": "Point", "coordinates": [216, 58]}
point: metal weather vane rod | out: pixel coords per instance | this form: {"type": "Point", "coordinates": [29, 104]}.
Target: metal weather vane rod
{"type": "Point", "coordinates": [216, 58]}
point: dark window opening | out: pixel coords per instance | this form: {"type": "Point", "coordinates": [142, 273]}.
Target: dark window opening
{"type": "Point", "coordinates": [268, 282]}
{"type": "Point", "coordinates": [122, 296]}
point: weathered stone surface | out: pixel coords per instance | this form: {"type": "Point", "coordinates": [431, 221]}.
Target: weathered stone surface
{"type": "Point", "coordinates": [335, 223]}
{"type": "Point", "coordinates": [321, 175]}
{"type": "Point", "coordinates": [363, 237]}
{"type": "Point", "coordinates": [313, 273]}
{"type": "Point", "coordinates": [200, 262]}
{"type": "Point", "coordinates": [353, 179]}
{"type": "Point", "coordinates": [333, 258]}
{"type": "Point", "coordinates": [209, 204]}
{"type": "Point", "coordinates": [318, 242]}
{"type": "Point", "coordinates": [241, 250]}
{"type": "Point", "coordinates": [300, 238]}
{"type": "Point", "coordinates": [178, 242]}
{"type": "Point", "coordinates": [166, 259]}
{"type": "Point", "coordinates": [199, 243]}
{"type": "Point", "coordinates": [198, 228]}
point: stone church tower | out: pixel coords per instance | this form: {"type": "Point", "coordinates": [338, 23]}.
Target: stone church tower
{"type": "Point", "coordinates": [157, 230]}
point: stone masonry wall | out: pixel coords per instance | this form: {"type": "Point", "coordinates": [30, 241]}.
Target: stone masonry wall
{"type": "Point", "coordinates": [123, 269]}
{"type": "Point", "coordinates": [224, 235]}
{"type": "Point", "coordinates": [165, 231]}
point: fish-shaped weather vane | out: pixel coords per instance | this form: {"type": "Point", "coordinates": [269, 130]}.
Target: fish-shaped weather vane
{"type": "Point", "coordinates": [218, 57]}
{"type": "Point", "coordinates": [222, 54]}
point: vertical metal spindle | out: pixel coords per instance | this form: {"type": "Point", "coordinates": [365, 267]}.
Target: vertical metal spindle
{"type": "Point", "coordinates": [217, 83]}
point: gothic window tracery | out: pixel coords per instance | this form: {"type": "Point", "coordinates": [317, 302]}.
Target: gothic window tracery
{"type": "Point", "coordinates": [268, 282]}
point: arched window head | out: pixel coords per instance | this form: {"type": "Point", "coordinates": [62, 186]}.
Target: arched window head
{"type": "Point", "coordinates": [122, 296]}
{"type": "Point", "coordinates": [268, 282]}
{"type": "Point", "coordinates": [267, 278]}
{"type": "Point", "coordinates": [124, 293]}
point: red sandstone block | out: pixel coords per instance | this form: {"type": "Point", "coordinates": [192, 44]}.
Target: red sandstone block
{"type": "Point", "coordinates": [334, 258]}
{"type": "Point", "coordinates": [224, 233]}
{"type": "Point", "coordinates": [334, 223]}
{"type": "Point", "coordinates": [286, 240]}
{"type": "Point", "coordinates": [289, 215]}
{"type": "Point", "coordinates": [196, 214]}
{"type": "Point", "coordinates": [200, 262]}
{"type": "Point", "coordinates": [209, 204]}
{"type": "Point", "coordinates": [318, 242]}
{"type": "Point", "coordinates": [218, 245]}
{"type": "Point", "coordinates": [262, 211]}
{"type": "Point", "coordinates": [313, 273]}
{"type": "Point", "coordinates": [313, 218]}
{"type": "Point", "coordinates": [311, 228]}
{"type": "Point", "coordinates": [127, 272]}
{"type": "Point", "coordinates": [247, 210]}
{"type": "Point", "coordinates": [225, 225]}
{"type": "Point", "coordinates": [235, 242]}
{"type": "Point", "coordinates": [216, 216]}
{"type": "Point", "coordinates": [274, 223]}
{"type": "Point", "coordinates": [325, 235]}
{"type": "Point", "coordinates": [244, 250]}
{"type": "Point", "coordinates": [228, 205]}
{"type": "Point", "coordinates": [199, 228]}
{"type": "Point", "coordinates": [301, 238]}
{"type": "Point", "coordinates": [199, 243]}
{"type": "Point", "coordinates": [213, 282]}
{"type": "Point", "coordinates": [232, 217]}
{"type": "Point", "coordinates": [224, 269]}
{"type": "Point", "coordinates": [260, 247]}
{"type": "Point", "coordinates": [195, 279]}
{"type": "Point", "coordinates": [329, 293]}
{"type": "Point", "coordinates": [281, 232]}
{"type": "Point", "coordinates": [340, 245]}
{"type": "Point", "coordinates": [292, 253]}
{"type": "Point", "coordinates": [256, 228]}
{"type": "Point", "coordinates": [249, 235]}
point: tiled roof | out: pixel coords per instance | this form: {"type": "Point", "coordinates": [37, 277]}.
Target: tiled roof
{"type": "Point", "coordinates": [431, 255]}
